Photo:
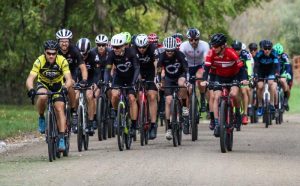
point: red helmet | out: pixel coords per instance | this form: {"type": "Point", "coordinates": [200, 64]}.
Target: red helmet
{"type": "Point", "coordinates": [152, 38]}
{"type": "Point", "coordinates": [178, 42]}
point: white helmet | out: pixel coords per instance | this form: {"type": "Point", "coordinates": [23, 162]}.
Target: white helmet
{"type": "Point", "coordinates": [64, 34]}
{"type": "Point", "coordinates": [244, 47]}
{"type": "Point", "coordinates": [101, 38]}
{"type": "Point", "coordinates": [118, 40]}
{"type": "Point", "coordinates": [141, 40]}
{"type": "Point", "coordinates": [169, 43]}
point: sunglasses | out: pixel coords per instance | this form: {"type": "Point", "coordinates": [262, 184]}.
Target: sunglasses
{"type": "Point", "coordinates": [143, 47]}
{"type": "Point", "coordinates": [117, 47]}
{"type": "Point", "coordinates": [253, 50]}
{"type": "Point", "coordinates": [268, 48]}
{"type": "Point", "coordinates": [191, 40]}
{"type": "Point", "coordinates": [169, 51]}
{"type": "Point", "coordinates": [51, 53]}
{"type": "Point", "coordinates": [101, 45]}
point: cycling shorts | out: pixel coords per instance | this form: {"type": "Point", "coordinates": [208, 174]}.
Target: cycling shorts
{"type": "Point", "coordinates": [171, 82]}
{"type": "Point", "coordinates": [149, 76]}
{"type": "Point", "coordinates": [220, 80]}
{"type": "Point", "coordinates": [119, 81]}
{"type": "Point", "coordinates": [56, 87]}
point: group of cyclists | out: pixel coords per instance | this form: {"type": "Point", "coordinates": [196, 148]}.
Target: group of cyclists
{"type": "Point", "coordinates": [124, 59]}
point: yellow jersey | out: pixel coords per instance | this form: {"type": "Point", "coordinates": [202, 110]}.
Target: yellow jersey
{"type": "Point", "coordinates": [50, 73]}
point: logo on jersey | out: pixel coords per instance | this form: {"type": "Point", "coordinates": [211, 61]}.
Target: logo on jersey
{"type": "Point", "coordinates": [124, 67]}
{"type": "Point", "coordinates": [97, 58]}
{"type": "Point", "coordinates": [51, 74]}
{"type": "Point", "coordinates": [70, 60]}
{"type": "Point", "coordinates": [144, 60]}
{"type": "Point", "coordinates": [173, 69]}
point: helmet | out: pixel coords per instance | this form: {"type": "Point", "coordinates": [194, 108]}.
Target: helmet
{"type": "Point", "coordinates": [152, 38]}
{"type": "Point", "coordinates": [101, 39]}
{"type": "Point", "coordinates": [218, 39]}
{"type": "Point", "coordinates": [252, 46]}
{"type": "Point", "coordinates": [244, 47]}
{"type": "Point", "coordinates": [169, 43]}
{"type": "Point", "coordinates": [118, 40]}
{"type": "Point", "coordinates": [141, 40]}
{"type": "Point", "coordinates": [236, 45]}
{"type": "Point", "coordinates": [178, 35]}
{"type": "Point", "coordinates": [64, 34]}
{"type": "Point", "coordinates": [127, 36]}
{"type": "Point", "coordinates": [84, 45]}
{"type": "Point", "coordinates": [50, 45]}
{"type": "Point", "coordinates": [278, 48]}
{"type": "Point", "coordinates": [193, 33]}
{"type": "Point", "coordinates": [133, 37]}
{"type": "Point", "coordinates": [266, 44]}
{"type": "Point", "coordinates": [178, 42]}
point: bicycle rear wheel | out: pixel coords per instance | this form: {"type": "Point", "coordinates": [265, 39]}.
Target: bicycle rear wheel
{"type": "Point", "coordinates": [141, 123]}
{"type": "Point", "coordinates": [174, 122]}
{"type": "Point", "coordinates": [193, 111]}
{"type": "Point", "coordinates": [80, 129]}
{"type": "Point", "coordinates": [223, 121]}
{"type": "Point", "coordinates": [229, 139]}
{"type": "Point", "coordinates": [180, 121]}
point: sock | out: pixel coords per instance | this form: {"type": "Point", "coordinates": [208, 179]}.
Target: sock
{"type": "Point", "coordinates": [61, 134]}
{"type": "Point", "coordinates": [212, 115]}
{"type": "Point", "coordinates": [169, 124]}
{"type": "Point", "coordinates": [286, 94]}
{"type": "Point", "coordinates": [94, 117]}
{"type": "Point", "coordinates": [184, 102]}
{"type": "Point", "coordinates": [133, 124]}
{"type": "Point", "coordinates": [153, 124]}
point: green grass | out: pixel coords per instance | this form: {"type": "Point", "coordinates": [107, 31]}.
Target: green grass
{"type": "Point", "coordinates": [17, 120]}
{"type": "Point", "coordinates": [294, 100]}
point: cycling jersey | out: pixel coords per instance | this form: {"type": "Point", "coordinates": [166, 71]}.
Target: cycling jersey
{"type": "Point", "coordinates": [285, 66]}
{"type": "Point", "coordinates": [266, 65]}
{"type": "Point", "coordinates": [174, 66]}
{"type": "Point", "coordinates": [195, 56]}
{"type": "Point", "coordinates": [147, 59]}
{"type": "Point", "coordinates": [50, 73]}
{"type": "Point", "coordinates": [246, 57]}
{"type": "Point", "coordinates": [74, 59]}
{"type": "Point", "coordinates": [225, 65]}
{"type": "Point", "coordinates": [127, 66]}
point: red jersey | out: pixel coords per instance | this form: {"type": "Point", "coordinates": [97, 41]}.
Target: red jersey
{"type": "Point", "coordinates": [226, 65]}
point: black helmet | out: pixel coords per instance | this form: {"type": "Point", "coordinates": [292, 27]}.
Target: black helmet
{"type": "Point", "coordinates": [179, 35]}
{"type": "Point", "coordinates": [252, 46]}
{"type": "Point", "coordinates": [51, 45]}
{"type": "Point", "coordinates": [193, 33]}
{"type": "Point", "coordinates": [266, 44]}
{"type": "Point", "coordinates": [84, 45]}
{"type": "Point", "coordinates": [236, 45]}
{"type": "Point", "coordinates": [218, 39]}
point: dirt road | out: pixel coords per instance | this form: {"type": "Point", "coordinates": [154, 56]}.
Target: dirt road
{"type": "Point", "coordinates": [260, 156]}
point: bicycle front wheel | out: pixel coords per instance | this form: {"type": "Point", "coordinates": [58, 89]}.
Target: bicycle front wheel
{"type": "Point", "coordinates": [99, 112]}
{"type": "Point", "coordinates": [80, 129]}
{"type": "Point", "coordinates": [193, 112]}
{"type": "Point", "coordinates": [174, 123]}
{"type": "Point", "coordinates": [223, 120]}
{"type": "Point", "coordinates": [50, 139]}
{"type": "Point", "coordinates": [141, 123]}
{"type": "Point", "coordinates": [120, 127]}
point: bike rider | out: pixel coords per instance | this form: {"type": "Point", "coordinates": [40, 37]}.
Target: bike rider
{"type": "Point", "coordinates": [266, 66]}
{"type": "Point", "coordinates": [195, 51]}
{"type": "Point", "coordinates": [147, 57]}
{"type": "Point", "coordinates": [94, 74]}
{"type": "Point", "coordinates": [50, 69]}
{"type": "Point", "coordinates": [285, 72]}
{"type": "Point", "coordinates": [126, 73]}
{"type": "Point", "coordinates": [245, 56]}
{"type": "Point", "coordinates": [228, 69]}
{"type": "Point", "coordinates": [73, 56]}
{"type": "Point", "coordinates": [176, 73]}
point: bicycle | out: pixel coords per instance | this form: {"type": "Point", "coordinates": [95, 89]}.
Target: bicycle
{"type": "Point", "coordinates": [144, 113]}
{"type": "Point", "coordinates": [267, 116]}
{"type": "Point", "coordinates": [176, 118]}
{"type": "Point", "coordinates": [280, 110]}
{"type": "Point", "coordinates": [82, 135]}
{"type": "Point", "coordinates": [123, 119]}
{"type": "Point", "coordinates": [226, 117]}
{"type": "Point", "coordinates": [194, 115]}
{"type": "Point", "coordinates": [253, 114]}
{"type": "Point", "coordinates": [52, 130]}
{"type": "Point", "coordinates": [104, 121]}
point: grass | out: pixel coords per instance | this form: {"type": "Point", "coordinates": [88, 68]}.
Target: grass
{"type": "Point", "coordinates": [17, 120]}
{"type": "Point", "coordinates": [294, 100]}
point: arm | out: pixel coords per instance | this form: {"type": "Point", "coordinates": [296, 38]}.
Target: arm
{"type": "Point", "coordinates": [136, 67]}
{"type": "Point", "coordinates": [83, 70]}
{"type": "Point", "coordinates": [68, 78]}
{"type": "Point", "coordinates": [30, 80]}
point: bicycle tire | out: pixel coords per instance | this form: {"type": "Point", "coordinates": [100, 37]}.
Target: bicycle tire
{"type": "Point", "coordinates": [194, 125]}
{"type": "Point", "coordinates": [109, 128]}
{"type": "Point", "coordinates": [174, 122]}
{"type": "Point", "coordinates": [80, 129]}
{"type": "Point", "coordinates": [120, 128]}
{"type": "Point", "coordinates": [99, 118]}
{"type": "Point", "coordinates": [180, 121]}
{"type": "Point", "coordinates": [128, 137]}
{"type": "Point", "coordinates": [223, 120]}
{"type": "Point", "coordinates": [85, 135]}
{"type": "Point", "coordinates": [67, 141]}
{"type": "Point", "coordinates": [49, 137]}
{"type": "Point", "coordinates": [142, 123]}
{"type": "Point", "coordinates": [267, 110]}
{"type": "Point", "coordinates": [229, 139]}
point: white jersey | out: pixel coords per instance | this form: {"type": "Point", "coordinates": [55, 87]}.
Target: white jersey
{"type": "Point", "coordinates": [195, 56]}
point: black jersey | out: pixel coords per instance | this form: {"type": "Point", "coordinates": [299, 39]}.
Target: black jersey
{"type": "Point", "coordinates": [147, 59]}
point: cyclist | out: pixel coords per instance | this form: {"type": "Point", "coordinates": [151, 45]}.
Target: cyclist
{"type": "Point", "coordinates": [285, 71]}
{"type": "Point", "coordinates": [176, 73]}
{"type": "Point", "coordinates": [266, 66]}
{"type": "Point", "coordinates": [126, 73]}
{"type": "Point", "coordinates": [195, 51]}
{"type": "Point", "coordinates": [50, 69]}
{"type": "Point", "coordinates": [94, 75]}
{"type": "Point", "coordinates": [178, 35]}
{"type": "Point", "coordinates": [147, 57]}
{"type": "Point", "coordinates": [178, 43]}
{"type": "Point", "coordinates": [72, 54]}
{"type": "Point", "coordinates": [228, 69]}
{"type": "Point", "coordinates": [245, 56]}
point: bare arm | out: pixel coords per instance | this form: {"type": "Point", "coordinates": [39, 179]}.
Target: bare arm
{"type": "Point", "coordinates": [84, 72]}
{"type": "Point", "coordinates": [30, 80]}
{"type": "Point", "coordinates": [68, 82]}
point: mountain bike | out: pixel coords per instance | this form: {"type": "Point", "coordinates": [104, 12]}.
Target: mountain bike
{"type": "Point", "coordinates": [82, 135]}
